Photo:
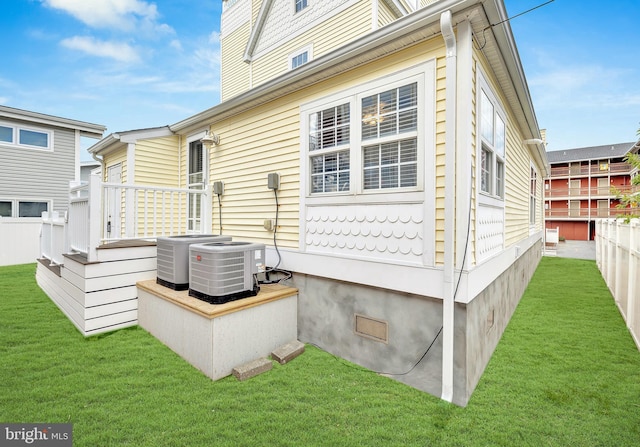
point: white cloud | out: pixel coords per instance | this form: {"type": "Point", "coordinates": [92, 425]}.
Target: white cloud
{"type": "Point", "coordinates": [119, 14]}
{"type": "Point", "coordinates": [113, 50]}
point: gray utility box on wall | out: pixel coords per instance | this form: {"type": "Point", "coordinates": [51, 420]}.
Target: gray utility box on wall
{"type": "Point", "coordinates": [224, 271]}
{"type": "Point", "coordinates": [173, 258]}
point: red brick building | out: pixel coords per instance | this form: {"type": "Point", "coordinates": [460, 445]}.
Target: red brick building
{"type": "Point", "coordinates": [579, 189]}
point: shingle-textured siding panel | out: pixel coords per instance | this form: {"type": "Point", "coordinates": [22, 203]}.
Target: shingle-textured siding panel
{"type": "Point", "coordinates": [325, 37]}
{"type": "Point", "coordinates": [283, 24]}
{"type": "Point", "coordinates": [38, 174]}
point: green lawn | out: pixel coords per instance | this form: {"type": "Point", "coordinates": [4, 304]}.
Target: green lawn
{"type": "Point", "coordinates": [566, 373]}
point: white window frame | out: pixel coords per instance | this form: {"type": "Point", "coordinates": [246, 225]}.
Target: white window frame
{"type": "Point", "coordinates": [494, 192]}
{"type": "Point", "coordinates": [424, 76]}
{"type": "Point", "coordinates": [15, 206]}
{"type": "Point", "coordinates": [293, 56]}
{"type": "Point", "coordinates": [533, 195]}
{"type": "Point", "coordinates": [304, 4]}
{"type": "Point", "coordinates": [17, 128]}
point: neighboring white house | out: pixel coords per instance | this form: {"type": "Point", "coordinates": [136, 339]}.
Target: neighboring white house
{"type": "Point", "coordinates": [39, 155]}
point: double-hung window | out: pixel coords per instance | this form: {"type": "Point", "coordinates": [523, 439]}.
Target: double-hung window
{"type": "Point", "coordinates": [492, 146]}
{"type": "Point", "coordinates": [389, 135]}
{"type": "Point", "coordinates": [368, 141]}
{"type": "Point", "coordinates": [329, 149]}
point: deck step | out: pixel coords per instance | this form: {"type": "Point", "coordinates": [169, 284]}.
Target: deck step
{"type": "Point", "coordinates": [252, 368]}
{"type": "Point", "coordinates": [288, 352]}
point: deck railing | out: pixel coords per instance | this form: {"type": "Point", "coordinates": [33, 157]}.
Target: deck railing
{"type": "Point", "coordinates": [584, 192]}
{"type": "Point", "coordinates": [588, 213]}
{"type": "Point", "coordinates": [618, 258]}
{"type": "Point", "coordinates": [599, 169]}
{"type": "Point", "coordinates": [106, 212]}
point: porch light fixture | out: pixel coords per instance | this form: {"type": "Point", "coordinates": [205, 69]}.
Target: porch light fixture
{"type": "Point", "coordinates": [533, 141]}
{"type": "Point", "coordinates": [210, 139]}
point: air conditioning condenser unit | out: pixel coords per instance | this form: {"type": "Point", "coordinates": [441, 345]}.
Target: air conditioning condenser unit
{"type": "Point", "coordinates": [173, 258]}
{"type": "Point", "coordinates": [220, 272]}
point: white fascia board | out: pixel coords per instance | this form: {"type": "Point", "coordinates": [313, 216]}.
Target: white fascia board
{"type": "Point", "coordinates": [115, 140]}
{"type": "Point", "coordinates": [256, 30]}
{"type": "Point", "coordinates": [496, 13]}
{"type": "Point", "coordinates": [424, 24]}
{"type": "Point", "coordinates": [86, 129]}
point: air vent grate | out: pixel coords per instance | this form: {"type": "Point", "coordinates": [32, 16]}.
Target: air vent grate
{"type": "Point", "coordinates": [372, 328]}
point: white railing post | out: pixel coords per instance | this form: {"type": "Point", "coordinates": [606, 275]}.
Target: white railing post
{"type": "Point", "coordinates": [95, 217]}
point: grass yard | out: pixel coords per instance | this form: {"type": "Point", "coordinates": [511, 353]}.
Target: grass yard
{"type": "Point", "coordinates": [566, 373]}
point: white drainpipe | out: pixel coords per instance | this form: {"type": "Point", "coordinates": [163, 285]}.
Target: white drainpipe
{"type": "Point", "coordinates": [448, 304]}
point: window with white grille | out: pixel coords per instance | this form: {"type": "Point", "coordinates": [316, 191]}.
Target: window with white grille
{"type": "Point", "coordinates": [492, 145]}
{"type": "Point", "coordinates": [368, 141]}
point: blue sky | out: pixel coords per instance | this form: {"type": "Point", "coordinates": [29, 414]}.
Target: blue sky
{"type": "Point", "coordinates": [130, 64]}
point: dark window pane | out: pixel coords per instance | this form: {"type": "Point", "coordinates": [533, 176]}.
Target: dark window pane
{"type": "Point", "coordinates": [5, 209]}
{"type": "Point", "coordinates": [6, 134]}
{"type": "Point", "coordinates": [31, 209]}
{"type": "Point", "coordinates": [33, 138]}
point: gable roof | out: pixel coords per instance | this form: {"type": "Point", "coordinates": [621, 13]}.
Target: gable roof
{"type": "Point", "coordinates": [419, 26]}
{"type": "Point", "coordinates": [116, 140]}
{"type": "Point", "coordinates": [256, 30]}
{"type": "Point", "coordinates": [590, 153]}
{"type": "Point", "coordinates": [85, 128]}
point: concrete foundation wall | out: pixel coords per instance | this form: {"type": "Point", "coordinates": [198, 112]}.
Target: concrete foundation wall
{"type": "Point", "coordinates": [481, 323]}
{"type": "Point", "coordinates": [328, 309]}
{"type": "Point", "coordinates": [327, 312]}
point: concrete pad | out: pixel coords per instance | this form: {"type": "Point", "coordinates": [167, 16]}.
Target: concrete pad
{"type": "Point", "coordinates": [288, 352]}
{"type": "Point", "coordinates": [252, 369]}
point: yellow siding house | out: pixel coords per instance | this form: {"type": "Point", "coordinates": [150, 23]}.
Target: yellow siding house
{"type": "Point", "coordinates": [409, 207]}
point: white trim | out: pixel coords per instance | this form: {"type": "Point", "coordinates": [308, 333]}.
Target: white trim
{"type": "Point", "coordinates": [299, 52]}
{"type": "Point", "coordinates": [15, 206]}
{"type": "Point", "coordinates": [475, 281]}
{"type": "Point", "coordinates": [419, 280]}
{"type": "Point", "coordinates": [17, 127]}
{"type": "Point", "coordinates": [424, 194]}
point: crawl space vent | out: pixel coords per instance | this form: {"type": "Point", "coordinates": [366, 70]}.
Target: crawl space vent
{"type": "Point", "coordinates": [372, 328]}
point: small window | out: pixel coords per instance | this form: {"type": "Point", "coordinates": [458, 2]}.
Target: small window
{"type": "Point", "coordinates": [299, 59]}
{"type": "Point", "coordinates": [32, 209]}
{"type": "Point", "coordinates": [6, 208]}
{"type": "Point", "coordinates": [533, 196]}
{"type": "Point", "coordinates": [33, 138]}
{"type": "Point", "coordinates": [301, 4]}
{"type": "Point", "coordinates": [6, 134]}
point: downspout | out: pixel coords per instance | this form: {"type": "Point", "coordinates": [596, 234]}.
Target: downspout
{"type": "Point", "coordinates": [448, 304]}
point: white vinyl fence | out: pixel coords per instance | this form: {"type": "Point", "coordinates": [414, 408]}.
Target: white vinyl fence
{"type": "Point", "coordinates": [19, 240]}
{"type": "Point", "coordinates": [618, 258]}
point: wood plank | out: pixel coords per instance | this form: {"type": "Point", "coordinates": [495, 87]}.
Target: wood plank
{"type": "Point", "coordinates": [268, 292]}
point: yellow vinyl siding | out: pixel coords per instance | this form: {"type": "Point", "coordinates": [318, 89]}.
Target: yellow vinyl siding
{"type": "Point", "coordinates": [112, 159]}
{"type": "Point", "coordinates": [156, 162]}
{"type": "Point", "coordinates": [235, 75]}
{"type": "Point", "coordinates": [253, 145]}
{"type": "Point", "coordinates": [385, 15]}
{"type": "Point", "coordinates": [156, 165]}
{"type": "Point", "coordinates": [343, 28]}
{"type": "Point", "coordinates": [517, 168]}
{"type": "Point", "coordinates": [267, 139]}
